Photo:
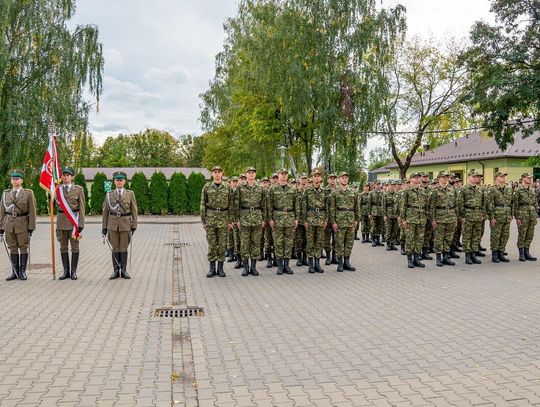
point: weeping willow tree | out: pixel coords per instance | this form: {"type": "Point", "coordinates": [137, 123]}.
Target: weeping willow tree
{"type": "Point", "coordinates": [45, 68]}
{"type": "Point", "coordinates": [300, 73]}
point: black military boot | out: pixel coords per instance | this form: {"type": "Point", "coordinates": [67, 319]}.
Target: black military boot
{"type": "Point", "coordinates": [14, 267]}
{"type": "Point", "coordinates": [305, 259]}
{"type": "Point", "coordinates": [334, 258]}
{"type": "Point", "coordinates": [388, 246]}
{"type": "Point", "coordinates": [403, 252]}
{"type": "Point", "coordinates": [417, 260]}
{"type": "Point", "coordinates": [212, 271]}
{"type": "Point", "coordinates": [364, 240]}
{"type": "Point", "coordinates": [299, 259]}
{"type": "Point", "coordinates": [425, 255]}
{"type": "Point", "coordinates": [279, 267]}
{"type": "Point", "coordinates": [446, 259]}
{"type": "Point", "coordinates": [340, 264]}
{"type": "Point", "coordinates": [269, 260]}
{"type": "Point", "coordinates": [123, 262]}
{"type": "Point", "coordinates": [74, 264]}
{"type": "Point", "coordinates": [239, 263]}
{"type": "Point", "coordinates": [245, 272]}
{"type": "Point", "coordinates": [274, 261]}
{"type": "Point", "coordinates": [474, 259]}
{"type": "Point", "coordinates": [311, 269]}
{"type": "Point", "coordinates": [495, 256]}
{"type": "Point", "coordinates": [23, 260]}
{"type": "Point", "coordinates": [261, 254]}
{"type": "Point", "coordinates": [373, 240]}
{"type": "Point", "coordinates": [286, 268]}
{"type": "Point", "coordinates": [393, 245]}
{"type": "Point", "coordinates": [293, 254]}
{"type": "Point", "coordinates": [65, 265]}
{"type": "Point", "coordinates": [468, 258]}
{"type": "Point", "coordinates": [347, 265]}
{"type": "Point", "coordinates": [231, 257]}
{"type": "Point", "coordinates": [482, 249]}
{"type": "Point", "coordinates": [220, 271]}
{"type": "Point", "coordinates": [116, 266]}
{"type": "Point", "coordinates": [521, 253]}
{"type": "Point", "coordinates": [328, 260]}
{"type": "Point", "coordinates": [528, 255]}
{"type": "Point", "coordinates": [253, 269]}
{"type": "Point", "coordinates": [410, 262]}
{"type": "Point", "coordinates": [356, 236]}
{"type": "Point", "coordinates": [439, 259]}
{"type": "Point", "coordinates": [317, 266]}
{"type": "Point", "coordinates": [452, 253]}
{"type": "Point", "coordinates": [479, 254]}
{"type": "Point", "coordinates": [380, 240]}
{"type": "Point", "coordinates": [502, 258]}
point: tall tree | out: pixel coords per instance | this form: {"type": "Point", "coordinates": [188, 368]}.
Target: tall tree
{"type": "Point", "coordinates": [45, 68]}
{"type": "Point", "coordinates": [192, 150]}
{"type": "Point", "coordinates": [504, 62]}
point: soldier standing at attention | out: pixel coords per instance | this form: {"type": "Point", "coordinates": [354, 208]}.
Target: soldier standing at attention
{"type": "Point", "coordinates": [525, 208]}
{"type": "Point", "coordinates": [376, 214]}
{"type": "Point", "coordinates": [390, 216]}
{"type": "Point", "coordinates": [364, 214]}
{"type": "Point", "coordinates": [471, 211]}
{"type": "Point", "coordinates": [232, 245]}
{"type": "Point", "coordinates": [250, 203]}
{"type": "Point", "coordinates": [499, 212]}
{"type": "Point", "coordinates": [329, 235]}
{"type": "Point", "coordinates": [397, 205]}
{"type": "Point", "coordinates": [265, 183]}
{"type": "Point", "coordinates": [74, 196]}
{"type": "Point", "coordinates": [313, 215]}
{"type": "Point", "coordinates": [119, 221]}
{"type": "Point", "coordinates": [428, 231]}
{"type": "Point", "coordinates": [300, 233]}
{"type": "Point", "coordinates": [18, 222]}
{"type": "Point", "coordinates": [283, 215]}
{"type": "Point", "coordinates": [344, 214]}
{"type": "Point", "coordinates": [442, 212]}
{"type": "Point", "coordinates": [456, 242]}
{"type": "Point", "coordinates": [268, 237]}
{"type": "Point", "coordinates": [216, 215]}
{"type": "Point", "coordinates": [412, 211]}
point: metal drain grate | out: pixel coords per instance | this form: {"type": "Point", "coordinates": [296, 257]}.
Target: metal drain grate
{"type": "Point", "coordinates": [177, 245]}
{"type": "Point", "coordinates": [178, 312]}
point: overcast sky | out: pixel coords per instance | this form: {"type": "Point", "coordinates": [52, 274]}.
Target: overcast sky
{"type": "Point", "coordinates": [159, 54]}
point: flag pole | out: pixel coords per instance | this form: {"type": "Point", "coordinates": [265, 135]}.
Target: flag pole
{"type": "Point", "coordinates": [51, 210]}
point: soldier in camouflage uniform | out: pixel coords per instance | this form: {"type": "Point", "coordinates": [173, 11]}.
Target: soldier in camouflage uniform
{"type": "Point", "coordinates": [390, 217]}
{"type": "Point", "coordinates": [397, 206]}
{"type": "Point", "coordinates": [344, 214]}
{"type": "Point", "coordinates": [265, 183]}
{"type": "Point", "coordinates": [329, 235]}
{"type": "Point", "coordinates": [216, 215]}
{"type": "Point", "coordinates": [428, 231]}
{"type": "Point", "coordinates": [364, 214]}
{"type": "Point", "coordinates": [471, 211]}
{"type": "Point", "coordinates": [283, 215]}
{"type": "Point", "coordinates": [456, 241]}
{"type": "Point", "coordinates": [499, 212]}
{"type": "Point", "coordinates": [484, 189]}
{"type": "Point", "coordinates": [376, 215]}
{"type": "Point", "coordinates": [300, 233]}
{"type": "Point", "coordinates": [268, 237]}
{"type": "Point", "coordinates": [442, 212]}
{"type": "Point", "coordinates": [412, 210]}
{"type": "Point", "coordinates": [525, 208]}
{"type": "Point", "coordinates": [250, 213]}
{"type": "Point", "coordinates": [231, 247]}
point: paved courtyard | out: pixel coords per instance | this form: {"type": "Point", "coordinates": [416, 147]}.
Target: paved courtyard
{"type": "Point", "coordinates": [384, 335]}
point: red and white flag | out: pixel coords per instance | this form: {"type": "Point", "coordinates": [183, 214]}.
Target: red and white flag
{"type": "Point", "coordinates": [50, 170]}
{"type": "Point", "coordinates": [70, 215]}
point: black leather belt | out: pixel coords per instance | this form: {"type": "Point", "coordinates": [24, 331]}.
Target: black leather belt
{"type": "Point", "coordinates": [317, 210]}
{"type": "Point", "coordinates": [415, 207]}
{"type": "Point", "coordinates": [74, 210]}
{"type": "Point", "coordinates": [251, 208]}
{"type": "Point", "coordinates": [472, 207]}
{"type": "Point", "coordinates": [283, 210]}
{"type": "Point", "coordinates": [16, 215]}
{"type": "Point", "coordinates": [218, 209]}
{"type": "Point", "coordinates": [345, 209]}
{"type": "Point", "coordinates": [445, 207]}
{"type": "Point", "coordinates": [119, 215]}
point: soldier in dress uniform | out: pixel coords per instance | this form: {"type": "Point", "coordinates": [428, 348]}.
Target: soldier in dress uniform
{"type": "Point", "coordinates": [343, 214]}
{"type": "Point", "coordinates": [390, 216]}
{"type": "Point", "coordinates": [525, 208]}
{"type": "Point", "coordinates": [119, 222]}
{"type": "Point", "coordinates": [329, 235]}
{"type": "Point", "coordinates": [499, 212]}
{"type": "Point", "coordinates": [300, 243]}
{"type": "Point", "coordinates": [376, 214]}
{"type": "Point", "coordinates": [17, 223]}
{"type": "Point", "coordinates": [74, 196]}
{"type": "Point", "coordinates": [364, 214]}
{"type": "Point", "coordinates": [216, 211]}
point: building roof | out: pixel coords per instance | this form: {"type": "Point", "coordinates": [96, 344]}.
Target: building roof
{"type": "Point", "coordinates": [474, 147]}
{"type": "Point", "coordinates": [90, 173]}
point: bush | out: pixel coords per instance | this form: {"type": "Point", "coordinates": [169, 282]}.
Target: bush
{"type": "Point", "coordinates": [195, 185]}
{"type": "Point", "coordinates": [158, 194]}
{"type": "Point", "coordinates": [97, 193]}
{"type": "Point", "coordinates": [79, 180]}
{"type": "Point", "coordinates": [42, 199]}
{"type": "Point", "coordinates": [178, 199]}
{"type": "Point", "coordinates": [139, 185]}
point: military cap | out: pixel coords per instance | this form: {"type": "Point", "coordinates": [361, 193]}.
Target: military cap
{"type": "Point", "coordinates": [293, 181]}
{"type": "Point", "coordinates": [526, 175]}
{"type": "Point", "coordinates": [303, 176]}
{"type": "Point", "coordinates": [234, 179]}
{"type": "Point", "coordinates": [332, 176]}
{"type": "Point", "coordinates": [68, 170]}
{"type": "Point", "coordinates": [242, 176]}
{"type": "Point", "coordinates": [415, 174]}
{"type": "Point", "coordinates": [316, 171]}
{"type": "Point", "coordinates": [16, 173]}
{"type": "Point", "coordinates": [274, 175]}
{"type": "Point", "coordinates": [217, 168]}
{"type": "Point", "coordinates": [473, 173]}
{"type": "Point", "coordinates": [501, 174]}
{"type": "Point", "coordinates": [119, 175]}
{"type": "Point", "coordinates": [443, 174]}
{"type": "Point", "coordinates": [265, 179]}
{"type": "Point", "coordinates": [251, 169]}
{"type": "Point", "coordinates": [457, 179]}
{"type": "Point", "coordinates": [342, 173]}
{"type": "Point", "coordinates": [283, 170]}
{"type": "Point", "coordinates": [424, 174]}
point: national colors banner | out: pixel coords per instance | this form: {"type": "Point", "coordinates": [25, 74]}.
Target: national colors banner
{"type": "Point", "coordinates": [50, 170]}
{"type": "Point", "coordinates": [70, 215]}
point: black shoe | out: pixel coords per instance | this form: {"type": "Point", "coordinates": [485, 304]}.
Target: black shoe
{"type": "Point", "coordinates": [245, 272]}
{"type": "Point", "coordinates": [468, 258]}
{"type": "Point", "coordinates": [380, 240]}
{"type": "Point", "coordinates": [231, 258]}
{"type": "Point", "coordinates": [269, 260]}
{"type": "Point", "coordinates": [311, 269]}
{"type": "Point", "coordinates": [373, 240]}
{"type": "Point", "coordinates": [425, 255]}
{"type": "Point", "coordinates": [239, 263]}
{"type": "Point", "coordinates": [528, 255]}
{"type": "Point", "coordinates": [275, 264]}
{"type": "Point", "coordinates": [474, 258]}
{"type": "Point", "coordinates": [334, 258]}
{"type": "Point", "coordinates": [521, 253]}
{"type": "Point", "coordinates": [74, 264]}
{"type": "Point", "coordinates": [286, 268]}
{"type": "Point", "coordinates": [65, 265]}
{"type": "Point", "coordinates": [439, 259]}
{"type": "Point", "coordinates": [328, 260]}
{"type": "Point", "coordinates": [253, 269]}
{"type": "Point", "coordinates": [364, 240]}
{"type": "Point", "coordinates": [495, 256]}
{"type": "Point", "coordinates": [116, 266]}
{"type": "Point", "coordinates": [220, 271]}
{"type": "Point", "coordinates": [293, 255]}
{"type": "Point", "coordinates": [304, 259]}
{"type": "Point", "coordinates": [388, 247]}
{"type": "Point", "coordinates": [446, 259]}
{"type": "Point", "coordinates": [416, 260]}
{"type": "Point", "coordinates": [482, 249]}
{"type": "Point", "coordinates": [356, 236]}
{"type": "Point", "coordinates": [403, 252]}
{"type": "Point", "coordinates": [279, 271]}
{"type": "Point", "coordinates": [393, 245]}
{"type": "Point", "coordinates": [410, 262]}
{"type": "Point", "coordinates": [14, 267]}
{"type": "Point", "coordinates": [212, 271]}
{"type": "Point", "coordinates": [479, 254]}
{"type": "Point", "coordinates": [452, 253]}
{"type": "Point", "coordinates": [261, 254]}
{"type": "Point", "coordinates": [347, 265]}
{"type": "Point", "coordinates": [340, 264]}
{"type": "Point", "coordinates": [317, 266]}
{"type": "Point", "coordinates": [502, 257]}
{"type": "Point", "coordinates": [123, 270]}
{"type": "Point", "coordinates": [298, 257]}
{"type": "Point", "coordinates": [23, 260]}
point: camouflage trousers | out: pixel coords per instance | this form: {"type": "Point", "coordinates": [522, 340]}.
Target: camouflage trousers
{"type": "Point", "coordinates": [315, 240]}
{"type": "Point", "coordinates": [402, 234]}
{"type": "Point", "coordinates": [472, 233]}
{"type": "Point", "coordinates": [230, 239]}
{"type": "Point", "coordinates": [250, 241]}
{"type": "Point", "coordinates": [283, 241]}
{"type": "Point", "coordinates": [392, 230]}
{"type": "Point", "coordinates": [428, 233]}
{"type": "Point", "coordinates": [344, 240]}
{"type": "Point", "coordinates": [300, 238]}
{"type": "Point", "coordinates": [500, 232]}
{"type": "Point", "coordinates": [217, 243]}
{"type": "Point", "coordinates": [526, 231]}
{"type": "Point", "coordinates": [329, 238]}
{"type": "Point", "coordinates": [443, 236]}
{"type": "Point", "coordinates": [268, 240]}
{"type": "Point", "coordinates": [364, 223]}
{"type": "Point", "coordinates": [457, 234]}
{"type": "Point", "coordinates": [414, 237]}
{"type": "Point", "coordinates": [377, 225]}
{"type": "Point", "coordinates": [237, 245]}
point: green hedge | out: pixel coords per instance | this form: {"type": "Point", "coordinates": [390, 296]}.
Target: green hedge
{"type": "Point", "coordinates": [158, 194]}
{"type": "Point", "coordinates": [97, 193]}
{"type": "Point", "coordinates": [195, 184]}
{"type": "Point", "coordinates": [42, 199]}
{"type": "Point", "coordinates": [79, 180]}
{"type": "Point", "coordinates": [139, 185]}
{"type": "Point", "coordinates": [178, 198]}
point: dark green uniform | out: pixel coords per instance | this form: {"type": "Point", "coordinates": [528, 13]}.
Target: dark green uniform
{"type": "Point", "coordinates": [525, 208]}
{"type": "Point", "coordinates": [314, 213]}
{"type": "Point", "coordinates": [499, 212]}
{"type": "Point", "coordinates": [442, 211]}
{"type": "Point", "coordinates": [376, 214]}
{"type": "Point", "coordinates": [471, 208]}
{"type": "Point", "coordinates": [391, 222]}
{"type": "Point", "coordinates": [412, 211]}
{"type": "Point", "coordinates": [364, 215]}
{"type": "Point", "coordinates": [329, 236]}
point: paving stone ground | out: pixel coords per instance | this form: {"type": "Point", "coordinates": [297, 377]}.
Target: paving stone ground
{"type": "Point", "coordinates": [384, 335]}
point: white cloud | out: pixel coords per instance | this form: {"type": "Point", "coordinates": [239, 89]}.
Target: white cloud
{"type": "Point", "coordinates": [113, 58]}
{"type": "Point", "coordinates": [175, 74]}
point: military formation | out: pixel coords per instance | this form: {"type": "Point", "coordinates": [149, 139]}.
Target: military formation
{"type": "Point", "coordinates": [279, 219]}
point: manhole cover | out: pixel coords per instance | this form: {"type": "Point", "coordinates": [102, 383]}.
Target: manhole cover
{"type": "Point", "coordinates": [178, 312]}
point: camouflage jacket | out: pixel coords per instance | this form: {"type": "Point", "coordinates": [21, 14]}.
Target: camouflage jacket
{"type": "Point", "coordinates": [250, 205]}
{"type": "Point", "coordinates": [413, 205]}
{"type": "Point", "coordinates": [499, 203]}
{"type": "Point", "coordinates": [525, 203]}
{"type": "Point", "coordinates": [471, 203]}
{"type": "Point", "coordinates": [216, 205]}
{"type": "Point", "coordinates": [314, 206]}
{"type": "Point", "coordinates": [442, 204]}
{"type": "Point", "coordinates": [363, 198]}
{"type": "Point", "coordinates": [375, 203]}
{"type": "Point", "coordinates": [283, 205]}
{"type": "Point", "coordinates": [343, 207]}
{"type": "Point", "coordinates": [388, 206]}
